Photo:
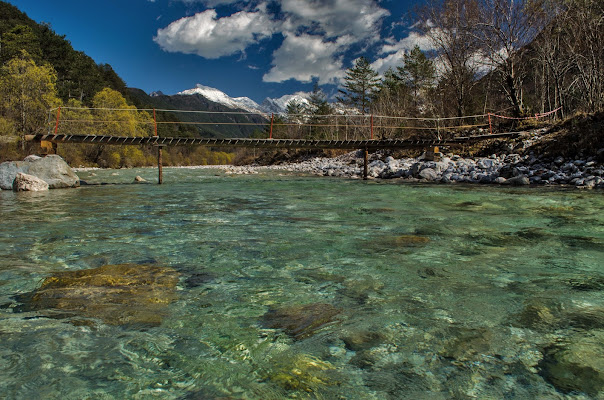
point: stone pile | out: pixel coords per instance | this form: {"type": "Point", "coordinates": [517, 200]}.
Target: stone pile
{"type": "Point", "coordinates": [510, 169]}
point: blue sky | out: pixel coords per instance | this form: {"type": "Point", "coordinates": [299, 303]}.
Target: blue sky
{"type": "Point", "coordinates": [258, 49]}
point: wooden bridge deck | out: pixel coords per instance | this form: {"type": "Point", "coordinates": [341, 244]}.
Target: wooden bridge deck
{"type": "Point", "coordinates": [264, 143]}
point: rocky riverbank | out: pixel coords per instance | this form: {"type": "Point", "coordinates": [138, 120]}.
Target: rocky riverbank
{"type": "Point", "coordinates": [510, 169]}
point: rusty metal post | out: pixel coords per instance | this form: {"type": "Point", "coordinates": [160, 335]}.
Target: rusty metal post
{"type": "Point", "coordinates": [270, 135]}
{"type": "Point", "coordinates": [160, 179]}
{"type": "Point", "coordinates": [365, 163]}
{"type": "Point", "coordinates": [58, 116]}
{"type": "Point", "coordinates": [490, 125]}
{"type": "Point", "coordinates": [371, 126]}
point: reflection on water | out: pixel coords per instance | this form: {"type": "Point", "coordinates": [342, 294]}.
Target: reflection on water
{"type": "Point", "coordinates": [300, 287]}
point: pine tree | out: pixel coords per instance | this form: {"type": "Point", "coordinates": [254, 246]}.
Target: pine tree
{"type": "Point", "coordinates": [418, 72]}
{"type": "Point", "coordinates": [360, 84]}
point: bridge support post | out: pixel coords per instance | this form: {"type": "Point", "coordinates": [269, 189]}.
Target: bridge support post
{"type": "Point", "coordinates": [160, 178]}
{"type": "Point", "coordinates": [365, 162]}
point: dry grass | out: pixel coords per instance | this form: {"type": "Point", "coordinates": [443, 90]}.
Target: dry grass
{"type": "Point", "coordinates": [581, 135]}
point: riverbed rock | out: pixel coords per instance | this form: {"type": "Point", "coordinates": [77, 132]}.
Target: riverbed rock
{"type": "Point", "coordinates": [28, 183]}
{"type": "Point", "coordinates": [122, 294]}
{"type": "Point", "coordinates": [363, 340]}
{"type": "Point", "coordinates": [428, 174]}
{"type": "Point", "coordinates": [52, 169]}
{"type": "Point", "coordinates": [302, 372]}
{"type": "Point", "coordinates": [577, 364]}
{"type": "Point", "coordinates": [301, 321]}
{"type": "Point", "coordinates": [139, 179]}
{"type": "Point", "coordinates": [520, 180]}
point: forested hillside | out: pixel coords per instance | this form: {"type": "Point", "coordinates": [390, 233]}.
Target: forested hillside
{"type": "Point", "coordinates": [40, 71]}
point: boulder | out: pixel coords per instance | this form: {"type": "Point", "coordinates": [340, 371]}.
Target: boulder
{"type": "Point", "coordinates": [139, 179]}
{"type": "Point", "coordinates": [52, 169]}
{"type": "Point", "coordinates": [28, 183]}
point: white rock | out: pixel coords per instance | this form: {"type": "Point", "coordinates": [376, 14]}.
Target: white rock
{"type": "Point", "coordinates": [28, 183]}
{"type": "Point", "coordinates": [428, 174]}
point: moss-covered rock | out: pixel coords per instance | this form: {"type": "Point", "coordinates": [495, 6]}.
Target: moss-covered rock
{"type": "Point", "coordinates": [122, 294]}
{"type": "Point", "coordinates": [301, 321]}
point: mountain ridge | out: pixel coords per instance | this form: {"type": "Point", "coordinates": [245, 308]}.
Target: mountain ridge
{"type": "Point", "coordinates": [268, 106]}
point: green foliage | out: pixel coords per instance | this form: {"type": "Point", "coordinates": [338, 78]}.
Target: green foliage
{"type": "Point", "coordinates": [418, 72]}
{"type": "Point", "coordinates": [359, 85]}
{"type": "Point", "coordinates": [28, 91]}
{"type": "Point", "coordinates": [119, 118]}
{"type": "Point", "coordinates": [17, 39]}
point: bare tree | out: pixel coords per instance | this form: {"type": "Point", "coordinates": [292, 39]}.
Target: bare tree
{"type": "Point", "coordinates": [584, 42]}
{"type": "Point", "coordinates": [503, 30]}
{"type": "Point", "coordinates": [448, 24]}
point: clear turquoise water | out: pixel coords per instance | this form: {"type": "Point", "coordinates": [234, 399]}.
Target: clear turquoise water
{"type": "Point", "coordinates": [439, 276]}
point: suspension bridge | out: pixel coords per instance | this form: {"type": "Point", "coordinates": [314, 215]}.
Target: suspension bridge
{"type": "Point", "coordinates": [50, 140]}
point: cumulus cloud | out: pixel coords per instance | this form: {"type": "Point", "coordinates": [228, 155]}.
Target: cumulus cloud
{"type": "Point", "coordinates": [335, 18]}
{"type": "Point", "coordinates": [392, 52]}
{"type": "Point", "coordinates": [318, 33]}
{"type": "Point", "coordinates": [304, 57]}
{"type": "Point", "coordinates": [208, 36]}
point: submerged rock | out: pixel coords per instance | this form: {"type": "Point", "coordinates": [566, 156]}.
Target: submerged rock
{"type": "Point", "coordinates": [28, 183]}
{"type": "Point", "coordinates": [411, 240]}
{"type": "Point", "coordinates": [363, 340]}
{"type": "Point", "coordinates": [52, 169]}
{"type": "Point", "coordinates": [302, 372]}
{"type": "Point", "coordinates": [576, 365]}
{"type": "Point", "coordinates": [301, 321]}
{"type": "Point", "coordinates": [122, 294]}
{"type": "Point", "coordinates": [361, 289]}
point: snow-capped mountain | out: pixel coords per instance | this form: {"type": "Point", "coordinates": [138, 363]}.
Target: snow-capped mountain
{"type": "Point", "coordinates": [268, 106]}
{"type": "Point", "coordinates": [217, 96]}
{"type": "Point", "coordinates": [279, 105]}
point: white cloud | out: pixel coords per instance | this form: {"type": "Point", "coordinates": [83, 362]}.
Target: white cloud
{"type": "Point", "coordinates": [210, 37]}
{"type": "Point", "coordinates": [393, 51]}
{"type": "Point", "coordinates": [408, 43]}
{"type": "Point", "coordinates": [304, 57]}
{"type": "Point", "coordinates": [318, 33]}
{"type": "Point", "coordinates": [335, 18]}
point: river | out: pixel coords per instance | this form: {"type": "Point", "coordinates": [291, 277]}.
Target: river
{"type": "Point", "coordinates": [308, 287]}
